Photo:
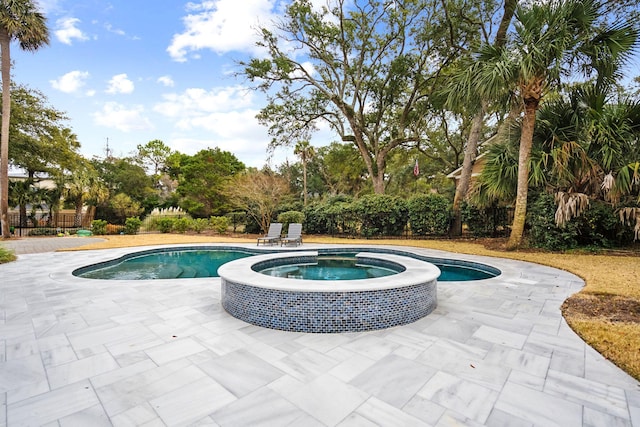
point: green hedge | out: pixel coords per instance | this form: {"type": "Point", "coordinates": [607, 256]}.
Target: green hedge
{"type": "Point", "coordinates": [429, 214]}
{"type": "Point", "coordinates": [99, 227]}
{"type": "Point", "coordinates": [132, 225]}
{"type": "Point", "coordinates": [381, 215]}
{"type": "Point", "coordinates": [290, 217]}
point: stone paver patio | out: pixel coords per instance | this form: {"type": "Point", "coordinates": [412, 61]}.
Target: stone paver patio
{"type": "Point", "coordinates": [495, 352]}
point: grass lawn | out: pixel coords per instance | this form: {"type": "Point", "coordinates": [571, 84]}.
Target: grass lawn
{"type": "Point", "coordinates": [605, 313]}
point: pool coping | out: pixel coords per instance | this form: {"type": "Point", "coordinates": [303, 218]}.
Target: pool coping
{"type": "Point", "coordinates": [240, 271]}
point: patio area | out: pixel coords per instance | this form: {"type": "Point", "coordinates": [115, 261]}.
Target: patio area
{"type": "Point", "coordinates": [495, 352]}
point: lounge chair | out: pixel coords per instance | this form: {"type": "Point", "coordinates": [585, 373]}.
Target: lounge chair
{"type": "Point", "coordinates": [294, 235]}
{"type": "Point", "coordinates": [273, 235]}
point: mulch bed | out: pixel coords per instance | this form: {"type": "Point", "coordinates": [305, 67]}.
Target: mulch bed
{"type": "Point", "coordinates": [612, 308]}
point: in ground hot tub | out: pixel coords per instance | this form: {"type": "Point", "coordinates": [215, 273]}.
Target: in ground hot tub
{"type": "Point", "coordinates": [327, 306]}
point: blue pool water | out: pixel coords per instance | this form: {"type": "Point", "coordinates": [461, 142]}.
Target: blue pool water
{"type": "Point", "coordinates": [329, 268]}
{"type": "Point", "coordinates": [180, 264]}
{"type": "Point", "coordinates": [189, 263]}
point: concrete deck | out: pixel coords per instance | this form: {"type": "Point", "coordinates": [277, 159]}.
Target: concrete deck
{"type": "Point", "coordinates": [495, 352]}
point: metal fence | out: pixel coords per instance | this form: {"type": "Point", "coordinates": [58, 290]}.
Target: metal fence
{"type": "Point", "coordinates": [46, 225]}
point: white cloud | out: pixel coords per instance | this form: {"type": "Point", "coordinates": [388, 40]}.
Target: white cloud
{"type": "Point", "coordinates": [113, 30]}
{"type": "Point", "coordinates": [221, 26]}
{"type": "Point", "coordinates": [195, 102]}
{"type": "Point", "coordinates": [166, 81]}
{"type": "Point", "coordinates": [120, 83]}
{"type": "Point", "coordinates": [70, 82]}
{"type": "Point", "coordinates": [67, 31]}
{"type": "Point", "coordinates": [117, 116]}
{"type": "Point", "coordinates": [48, 6]}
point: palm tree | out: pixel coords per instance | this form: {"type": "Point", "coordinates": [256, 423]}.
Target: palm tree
{"type": "Point", "coordinates": [21, 21]}
{"type": "Point", "coordinates": [459, 96]}
{"type": "Point", "coordinates": [551, 39]}
{"type": "Point", "coordinates": [85, 186]}
{"type": "Point", "coordinates": [306, 153]}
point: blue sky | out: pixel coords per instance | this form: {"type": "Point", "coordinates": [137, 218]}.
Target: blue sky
{"type": "Point", "coordinates": [133, 71]}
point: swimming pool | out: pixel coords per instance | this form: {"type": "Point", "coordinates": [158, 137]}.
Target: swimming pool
{"type": "Point", "coordinates": [196, 262]}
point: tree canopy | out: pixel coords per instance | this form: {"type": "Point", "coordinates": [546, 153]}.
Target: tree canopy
{"type": "Point", "coordinates": [365, 68]}
{"type": "Point", "coordinates": [201, 179]}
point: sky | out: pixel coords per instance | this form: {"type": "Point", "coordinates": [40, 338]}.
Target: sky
{"type": "Point", "coordinates": [128, 72]}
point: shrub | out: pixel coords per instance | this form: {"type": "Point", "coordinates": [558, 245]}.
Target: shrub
{"type": "Point", "coordinates": [331, 216]}
{"type": "Point", "coordinates": [429, 214]}
{"type": "Point", "coordinates": [151, 222]}
{"type": "Point", "coordinates": [381, 215]}
{"type": "Point", "coordinates": [290, 217]}
{"type": "Point", "coordinates": [165, 224]}
{"type": "Point", "coordinates": [483, 222]}
{"type": "Point", "coordinates": [43, 232]}
{"type": "Point", "coordinates": [543, 232]}
{"type": "Point", "coordinates": [99, 227]}
{"type": "Point", "coordinates": [114, 229]}
{"type": "Point", "coordinates": [219, 224]}
{"type": "Point", "coordinates": [6, 255]}
{"type": "Point", "coordinates": [182, 225]}
{"type": "Point", "coordinates": [199, 225]}
{"type": "Point", "coordinates": [132, 225]}
{"type": "Point", "coordinates": [600, 226]}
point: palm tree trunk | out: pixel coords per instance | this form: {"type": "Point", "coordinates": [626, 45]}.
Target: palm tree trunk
{"type": "Point", "coordinates": [465, 174]}
{"type": "Point", "coordinates": [5, 63]}
{"type": "Point", "coordinates": [304, 179]}
{"type": "Point", "coordinates": [77, 217]}
{"type": "Point", "coordinates": [526, 142]}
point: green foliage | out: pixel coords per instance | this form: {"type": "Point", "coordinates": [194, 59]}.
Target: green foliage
{"type": "Point", "coordinates": [99, 227]}
{"type": "Point", "coordinates": [43, 232]}
{"type": "Point", "coordinates": [6, 255]}
{"type": "Point", "coordinates": [132, 225]}
{"type": "Point", "coordinates": [543, 231]}
{"type": "Point", "coordinates": [485, 221]}
{"type": "Point", "coordinates": [381, 215]}
{"type": "Point", "coordinates": [219, 224]}
{"type": "Point", "coordinates": [125, 206]}
{"type": "Point", "coordinates": [202, 179]}
{"type": "Point", "coordinates": [165, 224]}
{"type": "Point", "coordinates": [236, 219]}
{"type": "Point", "coordinates": [40, 142]}
{"type": "Point", "coordinates": [331, 216]}
{"type": "Point", "coordinates": [429, 214]}
{"type": "Point", "coordinates": [154, 155]}
{"type": "Point", "coordinates": [199, 224]}
{"type": "Point", "coordinates": [369, 67]}
{"type": "Point", "coordinates": [290, 217]}
{"type": "Point", "coordinates": [597, 227]}
{"type": "Point", "coordinates": [182, 225]}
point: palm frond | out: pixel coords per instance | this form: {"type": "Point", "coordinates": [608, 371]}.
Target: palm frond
{"type": "Point", "coordinates": [570, 205]}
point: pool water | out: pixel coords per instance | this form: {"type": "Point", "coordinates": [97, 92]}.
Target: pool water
{"type": "Point", "coordinates": [329, 268]}
{"type": "Point", "coordinates": [196, 263]}
{"type": "Point", "coordinates": [179, 264]}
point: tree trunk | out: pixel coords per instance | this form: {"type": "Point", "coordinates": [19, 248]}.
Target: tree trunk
{"type": "Point", "coordinates": [526, 142]}
{"type": "Point", "coordinates": [465, 174]}
{"type": "Point", "coordinates": [5, 64]}
{"type": "Point", "coordinates": [378, 183]}
{"type": "Point", "coordinates": [77, 218]}
{"type": "Point", "coordinates": [304, 180]}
